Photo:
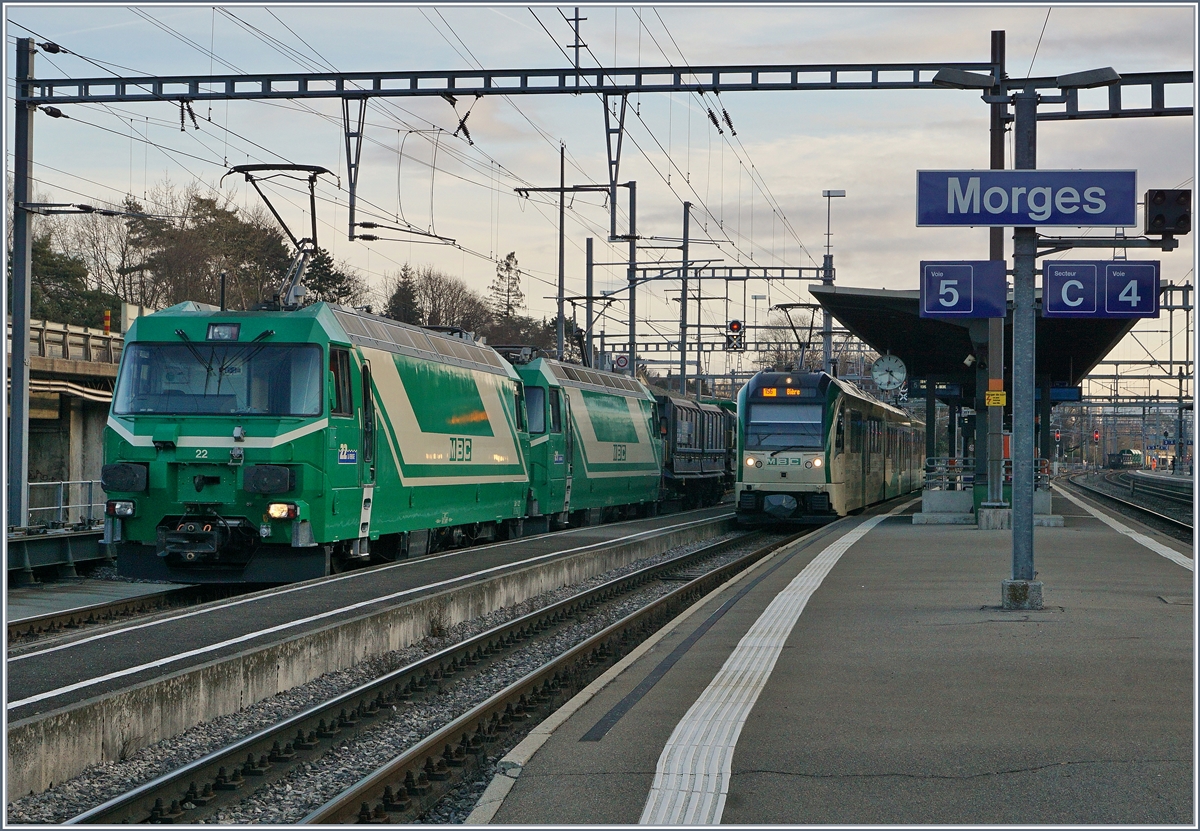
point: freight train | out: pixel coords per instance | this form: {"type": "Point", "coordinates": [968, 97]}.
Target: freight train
{"type": "Point", "coordinates": [274, 446]}
{"type": "Point", "coordinates": [814, 448]}
{"type": "Point", "coordinates": [1127, 459]}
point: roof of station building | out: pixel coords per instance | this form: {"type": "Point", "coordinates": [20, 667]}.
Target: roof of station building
{"type": "Point", "coordinates": [890, 321]}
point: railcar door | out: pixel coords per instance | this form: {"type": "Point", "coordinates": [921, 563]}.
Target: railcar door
{"type": "Point", "coordinates": [342, 472]}
{"type": "Point", "coordinates": [568, 450]}
{"type": "Point", "coordinates": [558, 462]}
{"type": "Point", "coordinates": [366, 460]}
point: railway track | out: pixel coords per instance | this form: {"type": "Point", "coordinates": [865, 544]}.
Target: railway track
{"type": "Point", "coordinates": [413, 782]}
{"type": "Point", "coordinates": [1139, 509]}
{"type": "Point", "coordinates": [1177, 492]}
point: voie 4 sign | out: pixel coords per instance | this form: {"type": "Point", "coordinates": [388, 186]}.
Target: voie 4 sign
{"type": "Point", "coordinates": [1027, 198]}
{"type": "Point", "coordinates": [1115, 288]}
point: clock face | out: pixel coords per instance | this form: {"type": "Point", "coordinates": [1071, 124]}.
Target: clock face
{"type": "Point", "coordinates": [889, 372]}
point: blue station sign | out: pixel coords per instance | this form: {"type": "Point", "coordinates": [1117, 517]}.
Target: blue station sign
{"type": "Point", "coordinates": [964, 289]}
{"type": "Point", "coordinates": [1027, 198]}
{"type": "Point", "coordinates": [1116, 288]}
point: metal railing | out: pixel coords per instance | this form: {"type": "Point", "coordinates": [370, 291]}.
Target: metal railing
{"type": "Point", "coordinates": [60, 504]}
{"type": "Point", "coordinates": [74, 343]}
{"type": "Point", "coordinates": [958, 474]}
{"type": "Point", "coordinates": [949, 473]}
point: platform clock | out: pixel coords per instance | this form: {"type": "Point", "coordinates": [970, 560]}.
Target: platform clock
{"type": "Point", "coordinates": [889, 372]}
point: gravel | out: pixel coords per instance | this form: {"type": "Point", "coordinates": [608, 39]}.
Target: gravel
{"type": "Point", "coordinates": [292, 797]}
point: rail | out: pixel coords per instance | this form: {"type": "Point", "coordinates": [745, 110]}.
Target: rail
{"type": "Point", "coordinates": [355, 710]}
{"type": "Point", "coordinates": [48, 339]}
{"type": "Point", "coordinates": [950, 473]}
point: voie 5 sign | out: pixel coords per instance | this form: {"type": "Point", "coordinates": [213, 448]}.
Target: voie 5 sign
{"type": "Point", "coordinates": [1026, 198]}
{"type": "Point", "coordinates": [964, 289]}
{"type": "Point", "coordinates": [1116, 288]}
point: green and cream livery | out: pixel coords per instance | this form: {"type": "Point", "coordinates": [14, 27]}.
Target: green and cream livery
{"type": "Point", "coordinates": [593, 447]}
{"type": "Point", "coordinates": [273, 446]}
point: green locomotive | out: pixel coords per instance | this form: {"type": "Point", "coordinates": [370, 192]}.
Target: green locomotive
{"type": "Point", "coordinates": [275, 446]}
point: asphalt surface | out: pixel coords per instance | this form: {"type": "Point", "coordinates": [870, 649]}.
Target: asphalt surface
{"type": "Point", "coordinates": [223, 628]}
{"type": "Point", "coordinates": [904, 694]}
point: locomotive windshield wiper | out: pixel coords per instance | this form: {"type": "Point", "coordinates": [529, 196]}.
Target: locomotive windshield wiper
{"type": "Point", "coordinates": [787, 447]}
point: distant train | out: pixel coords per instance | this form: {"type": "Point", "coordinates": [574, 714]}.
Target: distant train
{"type": "Point", "coordinates": [274, 446]}
{"type": "Point", "coordinates": [1126, 459]}
{"type": "Point", "coordinates": [813, 448]}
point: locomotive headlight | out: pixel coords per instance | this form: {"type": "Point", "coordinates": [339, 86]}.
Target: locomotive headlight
{"type": "Point", "coordinates": [119, 507]}
{"type": "Point", "coordinates": [817, 462]}
{"type": "Point", "coordinates": [282, 510]}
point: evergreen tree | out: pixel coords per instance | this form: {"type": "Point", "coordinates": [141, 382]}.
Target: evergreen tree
{"type": "Point", "coordinates": [504, 294]}
{"type": "Point", "coordinates": [330, 283]}
{"type": "Point", "coordinates": [59, 288]}
{"type": "Point", "coordinates": [402, 305]}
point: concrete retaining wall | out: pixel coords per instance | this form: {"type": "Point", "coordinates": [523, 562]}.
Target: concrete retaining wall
{"type": "Point", "coordinates": [54, 746]}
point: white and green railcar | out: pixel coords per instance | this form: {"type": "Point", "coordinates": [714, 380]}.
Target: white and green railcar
{"type": "Point", "coordinates": [813, 448]}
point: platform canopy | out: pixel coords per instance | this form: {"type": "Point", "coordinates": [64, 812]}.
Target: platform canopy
{"type": "Point", "coordinates": [890, 321]}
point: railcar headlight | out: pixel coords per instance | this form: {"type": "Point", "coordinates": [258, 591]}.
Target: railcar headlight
{"type": "Point", "coordinates": [119, 507]}
{"type": "Point", "coordinates": [749, 461]}
{"type": "Point", "coordinates": [817, 462]}
{"type": "Point", "coordinates": [282, 510]}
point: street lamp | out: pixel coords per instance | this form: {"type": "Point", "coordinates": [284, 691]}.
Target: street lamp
{"type": "Point", "coordinates": [827, 279]}
{"type": "Point", "coordinates": [756, 298]}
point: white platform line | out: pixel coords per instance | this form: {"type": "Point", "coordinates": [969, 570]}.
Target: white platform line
{"type": "Point", "coordinates": [1158, 548]}
{"type": "Point", "coordinates": [258, 633]}
{"type": "Point", "coordinates": [692, 777]}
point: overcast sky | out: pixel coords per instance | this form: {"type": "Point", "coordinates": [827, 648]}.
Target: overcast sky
{"type": "Point", "coordinates": [757, 193]}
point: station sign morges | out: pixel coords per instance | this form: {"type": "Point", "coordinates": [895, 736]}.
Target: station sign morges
{"type": "Point", "coordinates": [1027, 198]}
{"type": "Point", "coordinates": [964, 289]}
{"type": "Point", "coordinates": [1116, 288]}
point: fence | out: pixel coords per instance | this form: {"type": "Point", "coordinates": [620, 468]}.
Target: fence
{"type": "Point", "coordinates": [59, 504]}
{"type": "Point", "coordinates": [74, 343]}
{"type": "Point", "coordinates": [954, 474]}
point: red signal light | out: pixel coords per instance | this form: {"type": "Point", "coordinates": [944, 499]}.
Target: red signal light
{"type": "Point", "coordinates": [1096, 435]}
{"type": "Point", "coordinates": [1057, 435]}
{"type": "Point", "coordinates": [735, 326]}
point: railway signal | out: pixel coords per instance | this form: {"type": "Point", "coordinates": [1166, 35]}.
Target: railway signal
{"type": "Point", "coordinates": [735, 336]}
{"type": "Point", "coordinates": [1096, 436]}
{"type": "Point", "coordinates": [1057, 435]}
{"type": "Point", "coordinates": [1168, 211]}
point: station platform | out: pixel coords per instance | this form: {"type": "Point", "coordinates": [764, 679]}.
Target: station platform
{"type": "Point", "coordinates": [867, 674]}
{"type": "Point", "coordinates": [79, 595]}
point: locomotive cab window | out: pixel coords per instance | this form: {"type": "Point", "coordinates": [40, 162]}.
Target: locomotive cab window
{"type": "Point", "coordinates": [535, 407]}
{"type": "Point", "coordinates": [219, 379]}
{"type": "Point", "coordinates": [339, 365]}
{"type": "Point", "coordinates": [519, 406]}
{"type": "Point", "coordinates": [555, 411]}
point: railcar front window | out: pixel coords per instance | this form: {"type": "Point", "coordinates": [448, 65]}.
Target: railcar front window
{"type": "Point", "coordinates": [785, 425]}
{"type": "Point", "coordinates": [219, 379]}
